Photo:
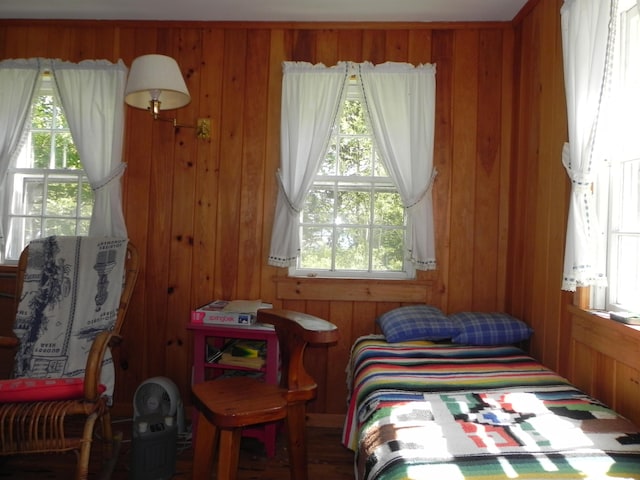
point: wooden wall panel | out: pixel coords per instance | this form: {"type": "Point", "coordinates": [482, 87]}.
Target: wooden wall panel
{"type": "Point", "coordinates": [463, 170]}
{"type": "Point", "coordinates": [207, 170]}
{"type": "Point", "coordinates": [442, 57]}
{"type": "Point", "coordinates": [253, 168]}
{"type": "Point", "coordinates": [187, 49]}
{"type": "Point", "coordinates": [488, 172]}
{"type": "Point", "coordinates": [540, 187]}
{"type": "Point", "coordinates": [200, 211]}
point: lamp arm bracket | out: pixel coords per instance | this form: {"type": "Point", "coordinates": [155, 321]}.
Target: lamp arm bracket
{"type": "Point", "coordinates": [202, 127]}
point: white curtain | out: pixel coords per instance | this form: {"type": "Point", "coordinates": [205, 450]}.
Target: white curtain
{"type": "Point", "coordinates": [587, 43]}
{"type": "Point", "coordinates": [400, 100]}
{"type": "Point", "coordinates": [92, 95]}
{"type": "Point", "coordinates": [18, 80]}
{"type": "Point", "coordinates": [311, 96]}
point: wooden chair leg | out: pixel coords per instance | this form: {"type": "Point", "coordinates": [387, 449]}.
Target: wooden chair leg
{"type": "Point", "coordinates": [107, 436]}
{"type": "Point", "coordinates": [204, 449]}
{"type": "Point", "coordinates": [296, 440]}
{"type": "Point", "coordinates": [82, 469]}
{"type": "Point", "coordinates": [229, 453]}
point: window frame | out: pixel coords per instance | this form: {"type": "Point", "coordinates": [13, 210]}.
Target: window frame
{"type": "Point", "coordinates": [16, 210]}
{"type": "Point", "coordinates": [341, 183]}
{"type": "Point", "coordinates": [608, 186]}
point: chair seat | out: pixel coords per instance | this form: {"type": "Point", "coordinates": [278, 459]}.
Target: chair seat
{"type": "Point", "coordinates": [228, 403]}
{"type": "Point", "coordinates": [42, 389]}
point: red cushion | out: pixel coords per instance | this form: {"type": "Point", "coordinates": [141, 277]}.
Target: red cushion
{"type": "Point", "coordinates": [42, 389]}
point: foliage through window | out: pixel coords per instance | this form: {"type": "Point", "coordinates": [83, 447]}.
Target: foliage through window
{"type": "Point", "coordinates": [353, 223]}
{"type": "Point", "coordinates": [618, 188]}
{"type": "Point", "coordinates": [49, 191]}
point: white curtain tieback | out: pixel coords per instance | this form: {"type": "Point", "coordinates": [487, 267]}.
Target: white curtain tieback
{"type": "Point", "coordinates": [292, 207]}
{"type": "Point", "coordinates": [582, 188]}
{"type": "Point", "coordinates": [434, 172]}
{"type": "Point", "coordinates": [115, 174]}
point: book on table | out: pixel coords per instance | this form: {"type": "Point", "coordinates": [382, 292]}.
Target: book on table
{"type": "Point", "coordinates": [231, 360]}
{"type": "Point", "coordinates": [244, 353]}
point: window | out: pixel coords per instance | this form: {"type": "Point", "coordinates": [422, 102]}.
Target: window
{"type": "Point", "coordinates": [353, 223]}
{"type": "Point", "coordinates": [336, 214]}
{"type": "Point", "coordinates": [49, 191]}
{"type": "Point", "coordinates": [618, 188]}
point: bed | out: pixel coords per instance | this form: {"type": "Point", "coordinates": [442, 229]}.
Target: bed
{"type": "Point", "coordinates": [448, 411]}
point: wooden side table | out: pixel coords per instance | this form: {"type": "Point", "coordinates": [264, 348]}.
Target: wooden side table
{"type": "Point", "coordinates": [222, 333]}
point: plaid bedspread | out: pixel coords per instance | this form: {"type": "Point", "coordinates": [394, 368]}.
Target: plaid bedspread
{"type": "Point", "coordinates": [424, 411]}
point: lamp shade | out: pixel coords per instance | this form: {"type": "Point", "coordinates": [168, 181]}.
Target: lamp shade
{"type": "Point", "coordinates": [156, 77]}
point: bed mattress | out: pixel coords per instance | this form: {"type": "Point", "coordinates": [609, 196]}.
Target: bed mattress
{"type": "Point", "coordinates": [420, 410]}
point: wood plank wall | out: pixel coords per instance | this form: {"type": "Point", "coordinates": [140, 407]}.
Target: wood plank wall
{"type": "Point", "coordinates": [540, 188]}
{"type": "Point", "coordinates": [200, 211]}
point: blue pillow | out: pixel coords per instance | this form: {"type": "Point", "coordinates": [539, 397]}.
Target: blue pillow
{"type": "Point", "coordinates": [416, 322]}
{"type": "Point", "coordinates": [483, 328]}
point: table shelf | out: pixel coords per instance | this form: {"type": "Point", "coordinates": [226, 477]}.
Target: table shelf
{"type": "Point", "coordinates": [220, 334]}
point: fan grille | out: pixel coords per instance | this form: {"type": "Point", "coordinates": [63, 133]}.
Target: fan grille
{"type": "Point", "coordinates": [157, 395]}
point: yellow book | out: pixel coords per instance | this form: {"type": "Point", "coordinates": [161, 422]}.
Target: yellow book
{"type": "Point", "coordinates": [249, 362]}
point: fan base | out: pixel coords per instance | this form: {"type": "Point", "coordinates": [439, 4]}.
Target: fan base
{"type": "Point", "coordinates": [154, 445]}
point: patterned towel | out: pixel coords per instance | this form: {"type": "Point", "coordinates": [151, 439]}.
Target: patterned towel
{"type": "Point", "coordinates": [71, 292]}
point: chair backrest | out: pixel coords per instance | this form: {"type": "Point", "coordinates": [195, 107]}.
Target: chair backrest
{"type": "Point", "coordinates": [70, 289]}
{"type": "Point", "coordinates": [295, 331]}
{"type": "Point", "coordinates": [132, 265]}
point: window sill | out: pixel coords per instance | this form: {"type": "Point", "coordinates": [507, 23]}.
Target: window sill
{"type": "Point", "coordinates": [355, 290]}
{"type": "Point", "coordinates": [604, 316]}
{"type": "Point", "coordinates": [614, 339]}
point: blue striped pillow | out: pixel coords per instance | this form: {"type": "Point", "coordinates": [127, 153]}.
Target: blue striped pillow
{"type": "Point", "coordinates": [416, 322]}
{"type": "Point", "coordinates": [489, 328]}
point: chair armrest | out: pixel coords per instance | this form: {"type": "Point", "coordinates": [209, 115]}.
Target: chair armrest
{"type": "Point", "coordinates": [9, 342]}
{"type": "Point", "coordinates": [94, 363]}
{"type": "Point", "coordinates": [295, 331]}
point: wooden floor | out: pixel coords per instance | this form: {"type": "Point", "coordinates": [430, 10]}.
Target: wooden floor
{"type": "Point", "coordinates": [328, 460]}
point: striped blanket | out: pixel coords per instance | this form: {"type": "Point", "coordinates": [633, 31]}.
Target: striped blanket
{"type": "Point", "coordinates": [424, 411]}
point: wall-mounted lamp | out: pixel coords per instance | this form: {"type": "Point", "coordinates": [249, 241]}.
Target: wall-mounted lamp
{"type": "Point", "coordinates": [155, 83]}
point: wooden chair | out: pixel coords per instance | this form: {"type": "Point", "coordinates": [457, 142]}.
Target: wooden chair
{"type": "Point", "coordinates": [228, 405]}
{"type": "Point", "coordinates": [65, 425]}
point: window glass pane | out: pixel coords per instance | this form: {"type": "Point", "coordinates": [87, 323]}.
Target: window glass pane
{"type": "Point", "coordinates": [353, 121]}
{"type": "Point", "coordinates": [388, 209]}
{"type": "Point", "coordinates": [86, 199]}
{"type": "Point", "coordinates": [387, 249]}
{"type": "Point", "coordinates": [60, 121]}
{"type": "Point", "coordinates": [318, 206]}
{"type": "Point", "coordinates": [83, 227]}
{"type": "Point", "coordinates": [32, 194]}
{"type": "Point", "coordinates": [41, 150]}
{"type": "Point", "coordinates": [355, 156]}
{"type": "Point", "coordinates": [66, 152]}
{"type": "Point", "coordinates": [328, 166]}
{"type": "Point", "coordinates": [62, 198]}
{"type": "Point", "coordinates": [59, 226]}
{"type": "Point", "coordinates": [630, 211]}
{"type": "Point", "coordinates": [21, 228]}
{"type": "Point", "coordinates": [379, 169]}
{"type": "Point", "coordinates": [352, 249]}
{"type": "Point", "coordinates": [42, 113]}
{"type": "Point", "coordinates": [627, 272]}
{"type": "Point", "coordinates": [316, 248]}
{"type": "Point", "coordinates": [354, 207]}
{"type": "Point", "coordinates": [630, 30]}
